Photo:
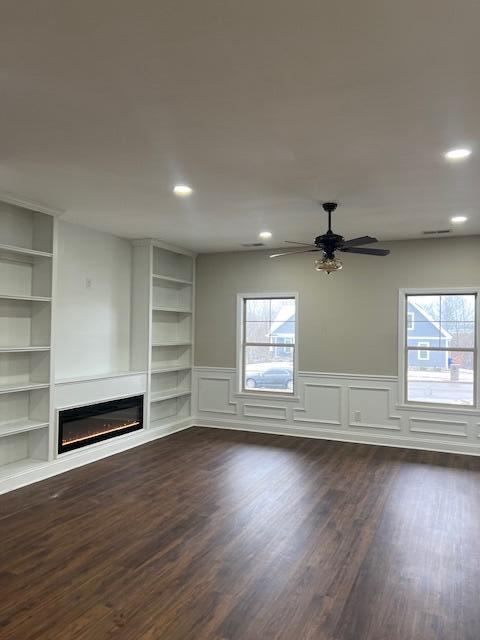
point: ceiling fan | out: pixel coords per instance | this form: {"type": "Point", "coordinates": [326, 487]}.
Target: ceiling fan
{"type": "Point", "coordinates": [330, 242]}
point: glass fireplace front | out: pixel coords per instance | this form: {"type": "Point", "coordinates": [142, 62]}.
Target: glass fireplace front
{"type": "Point", "coordinates": [82, 426]}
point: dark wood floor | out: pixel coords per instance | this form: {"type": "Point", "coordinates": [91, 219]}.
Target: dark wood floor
{"type": "Point", "coordinates": [212, 534]}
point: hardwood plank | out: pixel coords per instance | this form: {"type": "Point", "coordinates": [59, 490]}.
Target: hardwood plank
{"type": "Point", "coordinates": [222, 535]}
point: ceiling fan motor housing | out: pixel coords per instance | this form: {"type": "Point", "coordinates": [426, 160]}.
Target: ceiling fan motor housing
{"type": "Point", "coordinates": [329, 242]}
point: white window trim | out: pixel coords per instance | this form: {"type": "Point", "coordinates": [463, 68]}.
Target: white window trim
{"type": "Point", "coordinates": [423, 344]}
{"type": "Point", "coordinates": [402, 333]}
{"type": "Point", "coordinates": [281, 395]}
{"type": "Point", "coordinates": [411, 321]}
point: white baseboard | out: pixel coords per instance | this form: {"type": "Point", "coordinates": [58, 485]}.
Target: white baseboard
{"type": "Point", "coordinates": [79, 458]}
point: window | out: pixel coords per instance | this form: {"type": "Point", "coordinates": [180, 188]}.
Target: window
{"type": "Point", "coordinates": [423, 355]}
{"type": "Point", "coordinates": [444, 324]}
{"type": "Point", "coordinates": [283, 340]}
{"type": "Point", "coordinates": [268, 343]}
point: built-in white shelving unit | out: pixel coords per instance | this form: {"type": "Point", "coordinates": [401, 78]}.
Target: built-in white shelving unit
{"type": "Point", "coordinates": [163, 285]}
{"type": "Point", "coordinates": [27, 255]}
{"type": "Point", "coordinates": [161, 343]}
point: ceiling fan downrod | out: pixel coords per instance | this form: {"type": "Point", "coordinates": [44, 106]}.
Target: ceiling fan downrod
{"type": "Point", "coordinates": [329, 207]}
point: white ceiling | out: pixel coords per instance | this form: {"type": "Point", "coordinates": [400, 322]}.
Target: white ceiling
{"type": "Point", "coordinates": [263, 107]}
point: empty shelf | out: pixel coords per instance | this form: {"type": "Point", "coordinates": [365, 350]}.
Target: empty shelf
{"type": "Point", "coordinates": [172, 310]}
{"type": "Point", "coordinates": [19, 426]}
{"type": "Point", "coordinates": [20, 466]}
{"type": "Point", "coordinates": [168, 395]}
{"type": "Point", "coordinates": [172, 343]}
{"type": "Point", "coordinates": [26, 349]}
{"type": "Point", "coordinates": [159, 276]}
{"type": "Point", "coordinates": [173, 368]}
{"type": "Point", "coordinates": [27, 298]}
{"type": "Point", "coordinates": [22, 253]}
{"type": "Point", "coordinates": [27, 386]}
{"type": "Point", "coordinates": [170, 421]}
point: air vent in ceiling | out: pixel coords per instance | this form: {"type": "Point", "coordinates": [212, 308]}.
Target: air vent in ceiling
{"type": "Point", "coordinates": [253, 244]}
{"type": "Point", "coordinates": [436, 232]}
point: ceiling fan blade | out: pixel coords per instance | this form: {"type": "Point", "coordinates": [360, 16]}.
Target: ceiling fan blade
{"type": "Point", "coordinates": [366, 251]}
{"type": "Point", "coordinates": [291, 253]}
{"type": "Point", "coordinates": [356, 241]}
{"type": "Point", "coordinates": [305, 244]}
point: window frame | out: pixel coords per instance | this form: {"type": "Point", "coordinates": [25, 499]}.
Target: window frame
{"type": "Point", "coordinates": [419, 351]}
{"type": "Point", "coordinates": [241, 389]}
{"type": "Point", "coordinates": [403, 351]}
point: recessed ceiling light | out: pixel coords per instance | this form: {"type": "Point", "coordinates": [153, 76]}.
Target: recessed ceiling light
{"type": "Point", "coordinates": [265, 235]}
{"type": "Point", "coordinates": [182, 190]}
{"type": "Point", "coordinates": [458, 154]}
{"type": "Point", "coordinates": [458, 219]}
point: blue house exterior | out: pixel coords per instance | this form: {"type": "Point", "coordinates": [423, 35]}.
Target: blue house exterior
{"type": "Point", "coordinates": [283, 332]}
{"type": "Point", "coordinates": [424, 332]}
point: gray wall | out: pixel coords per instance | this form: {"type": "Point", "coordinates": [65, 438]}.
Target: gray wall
{"type": "Point", "coordinates": [348, 320]}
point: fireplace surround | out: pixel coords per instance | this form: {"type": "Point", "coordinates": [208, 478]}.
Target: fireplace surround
{"type": "Point", "coordinates": [85, 425]}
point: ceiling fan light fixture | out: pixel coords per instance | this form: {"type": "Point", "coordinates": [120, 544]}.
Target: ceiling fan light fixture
{"type": "Point", "coordinates": [328, 265]}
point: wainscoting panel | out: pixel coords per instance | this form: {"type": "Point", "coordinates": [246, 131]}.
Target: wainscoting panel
{"type": "Point", "coordinates": [371, 408]}
{"type": "Point", "coordinates": [439, 427]}
{"type": "Point", "coordinates": [321, 403]}
{"type": "Point", "coordinates": [351, 408]}
{"type": "Point", "coordinates": [214, 393]}
{"type": "Point", "coordinates": [264, 411]}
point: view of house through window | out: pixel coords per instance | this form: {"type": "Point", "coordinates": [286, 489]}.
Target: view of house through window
{"type": "Point", "coordinates": [440, 348]}
{"type": "Point", "coordinates": [268, 344]}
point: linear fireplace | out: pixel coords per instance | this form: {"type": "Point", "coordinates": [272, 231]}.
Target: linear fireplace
{"type": "Point", "coordinates": [85, 425]}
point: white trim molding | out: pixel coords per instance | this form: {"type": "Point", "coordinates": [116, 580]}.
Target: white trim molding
{"type": "Point", "coordinates": [212, 393]}
{"type": "Point", "coordinates": [318, 395]}
{"type": "Point", "coordinates": [239, 390]}
{"type": "Point", "coordinates": [435, 426]}
{"type": "Point", "coordinates": [335, 406]}
{"type": "Point", "coordinates": [381, 414]}
{"type": "Point", "coordinates": [269, 411]}
{"type": "Point", "coordinates": [425, 346]}
{"type": "Point", "coordinates": [30, 204]}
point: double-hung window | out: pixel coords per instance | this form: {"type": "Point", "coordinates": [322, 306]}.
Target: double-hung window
{"type": "Point", "coordinates": [267, 343]}
{"type": "Point", "coordinates": [439, 335]}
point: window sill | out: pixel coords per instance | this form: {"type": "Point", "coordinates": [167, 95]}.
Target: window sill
{"type": "Point", "coordinates": [448, 409]}
{"type": "Point", "coordinates": [267, 396]}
